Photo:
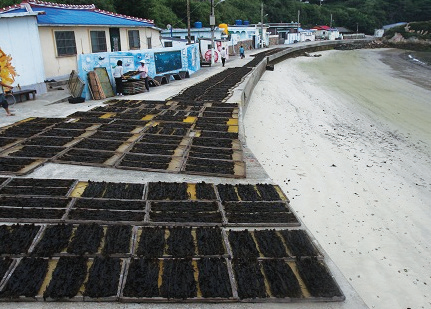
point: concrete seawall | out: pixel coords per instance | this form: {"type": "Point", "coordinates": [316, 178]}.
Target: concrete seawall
{"type": "Point", "coordinates": [243, 93]}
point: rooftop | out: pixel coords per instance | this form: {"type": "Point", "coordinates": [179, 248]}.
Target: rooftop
{"type": "Point", "coordinates": [65, 14]}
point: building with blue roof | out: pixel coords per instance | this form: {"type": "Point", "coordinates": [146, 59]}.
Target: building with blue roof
{"type": "Point", "coordinates": [66, 31]}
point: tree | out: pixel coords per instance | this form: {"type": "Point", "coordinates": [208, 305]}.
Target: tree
{"type": "Point", "coordinates": [138, 8]}
{"type": "Point", "coordinates": [368, 14]}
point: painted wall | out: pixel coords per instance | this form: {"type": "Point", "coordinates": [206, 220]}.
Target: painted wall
{"type": "Point", "coordinates": [206, 52]}
{"type": "Point", "coordinates": [87, 62]}
{"type": "Point", "coordinates": [20, 39]}
{"type": "Point", "coordinates": [59, 67]}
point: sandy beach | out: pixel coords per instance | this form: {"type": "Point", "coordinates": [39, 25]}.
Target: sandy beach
{"type": "Point", "coordinates": [347, 136]}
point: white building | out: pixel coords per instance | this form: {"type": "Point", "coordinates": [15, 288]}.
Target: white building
{"type": "Point", "coordinates": [326, 33]}
{"type": "Point", "coordinates": [303, 35]}
{"type": "Point", "coordinates": [173, 42]}
{"type": "Point", "coordinates": [178, 37]}
{"type": "Point", "coordinates": [252, 32]}
{"type": "Point", "coordinates": [20, 39]}
{"type": "Point", "coordinates": [195, 33]}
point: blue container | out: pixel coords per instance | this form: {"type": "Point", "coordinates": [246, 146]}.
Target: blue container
{"type": "Point", "coordinates": [238, 22]}
{"type": "Point", "coordinates": [198, 24]}
{"type": "Point", "coordinates": [246, 22]}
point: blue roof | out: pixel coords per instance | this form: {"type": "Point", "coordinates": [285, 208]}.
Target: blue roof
{"type": "Point", "coordinates": [70, 15]}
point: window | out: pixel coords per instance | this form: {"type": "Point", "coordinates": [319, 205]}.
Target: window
{"type": "Point", "coordinates": [149, 46]}
{"type": "Point", "coordinates": [134, 42]}
{"type": "Point", "coordinates": [168, 44]}
{"type": "Point", "coordinates": [65, 42]}
{"type": "Point", "coordinates": [98, 41]}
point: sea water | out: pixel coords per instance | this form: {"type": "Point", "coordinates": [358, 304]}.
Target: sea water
{"type": "Point", "coordinates": [386, 85]}
{"type": "Point", "coordinates": [421, 58]}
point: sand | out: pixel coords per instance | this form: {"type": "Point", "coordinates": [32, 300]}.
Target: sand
{"type": "Point", "coordinates": [348, 138]}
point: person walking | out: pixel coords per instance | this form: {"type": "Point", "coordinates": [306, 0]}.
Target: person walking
{"type": "Point", "coordinates": [223, 56]}
{"type": "Point", "coordinates": [241, 52]}
{"type": "Point", "coordinates": [143, 69]}
{"type": "Point", "coordinates": [118, 76]}
{"type": "Point", "coordinates": [3, 100]}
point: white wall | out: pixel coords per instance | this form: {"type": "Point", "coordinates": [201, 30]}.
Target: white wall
{"type": "Point", "coordinates": [196, 32]}
{"type": "Point", "coordinates": [174, 43]}
{"type": "Point", "coordinates": [308, 35]}
{"type": "Point", "coordinates": [332, 35]}
{"type": "Point", "coordinates": [292, 37]}
{"type": "Point", "coordinates": [378, 33]}
{"type": "Point", "coordinates": [20, 39]}
{"type": "Point", "coordinates": [59, 67]}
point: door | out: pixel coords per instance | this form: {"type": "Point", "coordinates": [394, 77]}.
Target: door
{"type": "Point", "coordinates": [114, 35]}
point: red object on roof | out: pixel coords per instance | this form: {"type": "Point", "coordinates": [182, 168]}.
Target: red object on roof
{"type": "Point", "coordinates": [322, 28]}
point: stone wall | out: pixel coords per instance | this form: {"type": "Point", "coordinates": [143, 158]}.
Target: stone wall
{"type": "Point", "coordinates": [273, 40]}
{"type": "Point", "coordinates": [234, 50]}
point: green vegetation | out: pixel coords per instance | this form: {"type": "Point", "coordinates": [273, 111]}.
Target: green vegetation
{"type": "Point", "coordinates": [420, 30]}
{"type": "Point", "coordinates": [364, 15]}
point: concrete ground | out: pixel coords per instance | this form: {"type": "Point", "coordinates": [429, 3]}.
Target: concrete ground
{"type": "Point", "coordinates": [45, 106]}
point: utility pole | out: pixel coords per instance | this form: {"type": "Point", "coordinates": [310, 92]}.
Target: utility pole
{"type": "Point", "coordinates": [189, 39]}
{"type": "Point", "coordinates": [212, 24]}
{"type": "Point", "coordinates": [297, 29]}
{"type": "Point", "coordinates": [299, 12]}
{"type": "Point", "coordinates": [261, 24]}
{"type": "Point", "coordinates": [330, 24]}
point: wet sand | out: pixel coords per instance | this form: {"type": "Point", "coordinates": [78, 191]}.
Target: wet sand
{"type": "Point", "coordinates": [348, 137]}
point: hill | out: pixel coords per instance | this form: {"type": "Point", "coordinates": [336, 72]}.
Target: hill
{"type": "Point", "coordinates": [364, 15]}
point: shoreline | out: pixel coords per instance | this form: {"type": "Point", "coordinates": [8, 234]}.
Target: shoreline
{"type": "Point", "coordinates": [345, 136]}
{"type": "Point", "coordinates": [382, 85]}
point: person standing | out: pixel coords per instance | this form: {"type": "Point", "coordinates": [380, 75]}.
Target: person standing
{"type": "Point", "coordinates": [241, 52]}
{"type": "Point", "coordinates": [223, 56]}
{"type": "Point", "coordinates": [143, 69]}
{"type": "Point", "coordinates": [3, 100]}
{"type": "Point", "coordinates": [118, 76]}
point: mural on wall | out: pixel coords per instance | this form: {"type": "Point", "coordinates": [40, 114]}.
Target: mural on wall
{"type": "Point", "coordinates": [217, 51]}
{"type": "Point", "coordinates": [193, 57]}
{"type": "Point", "coordinates": [168, 61]}
{"type": "Point", "coordinates": [174, 60]}
{"type": "Point", "coordinates": [128, 64]}
{"type": "Point", "coordinates": [208, 55]}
